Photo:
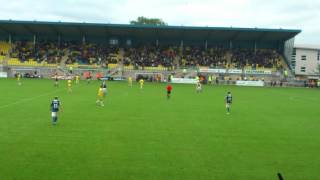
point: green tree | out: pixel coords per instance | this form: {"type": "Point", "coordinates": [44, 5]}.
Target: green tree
{"type": "Point", "coordinates": [148, 21]}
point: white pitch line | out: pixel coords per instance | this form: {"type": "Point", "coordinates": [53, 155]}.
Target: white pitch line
{"type": "Point", "coordinates": [29, 99]}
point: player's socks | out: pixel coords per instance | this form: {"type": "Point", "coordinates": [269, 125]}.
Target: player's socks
{"type": "Point", "coordinates": [54, 120]}
{"type": "Point", "coordinates": [228, 110]}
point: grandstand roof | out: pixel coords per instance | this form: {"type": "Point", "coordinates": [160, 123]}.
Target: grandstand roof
{"type": "Point", "coordinates": [144, 31]}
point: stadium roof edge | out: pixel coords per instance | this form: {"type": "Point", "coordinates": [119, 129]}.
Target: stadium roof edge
{"type": "Point", "coordinates": [148, 26]}
{"type": "Point", "coordinates": [307, 46]}
{"type": "Point", "coordinates": [147, 32]}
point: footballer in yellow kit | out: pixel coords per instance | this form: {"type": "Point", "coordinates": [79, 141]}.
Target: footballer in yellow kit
{"type": "Point", "coordinates": [19, 79]}
{"type": "Point", "coordinates": [69, 85]}
{"type": "Point", "coordinates": [100, 97]}
{"type": "Point", "coordinates": [130, 81]}
{"type": "Point", "coordinates": [141, 81]}
{"type": "Point", "coordinates": [77, 79]}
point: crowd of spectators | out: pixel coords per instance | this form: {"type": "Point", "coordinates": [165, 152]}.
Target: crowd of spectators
{"type": "Point", "coordinates": [89, 53]}
{"type": "Point", "coordinates": [265, 58]}
{"type": "Point", "coordinates": [75, 52]}
{"type": "Point", "coordinates": [150, 56]}
{"type": "Point", "coordinates": [41, 51]}
{"type": "Point", "coordinates": [212, 57]}
{"type": "Point", "coordinates": [143, 56]}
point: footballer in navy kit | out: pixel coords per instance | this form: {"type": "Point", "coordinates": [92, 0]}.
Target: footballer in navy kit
{"type": "Point", "coordinates": [228, 102]}
{"type": "Point", "coordinates": [104, 88]}
{"type": "Point", "coordinates": [56, 81]}
{"type": "Point", "coordinates": [55, 105]}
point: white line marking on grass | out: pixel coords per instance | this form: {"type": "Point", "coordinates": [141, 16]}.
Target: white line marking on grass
{"type": "Point", "coordinates": [32, 98]}
{"type": "Point", "coordinates": [29, 99]}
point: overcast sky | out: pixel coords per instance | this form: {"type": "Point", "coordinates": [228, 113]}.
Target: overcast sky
{"type": "Point", "coordinates": [297, 14]}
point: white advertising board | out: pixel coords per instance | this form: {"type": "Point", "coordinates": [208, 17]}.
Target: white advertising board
{"type": "Point", "coordinates": [257, 71]}
{"type": "Point", "coordinates": [184, 81]}
{"type": "Point", "coordinates": [213, 70]}
{"type": "Point", "coordinates": [250, 83]}
{"type": "Point", "coordinates": [235, 71]}
{"type": "Point", "coordinates": [3, 75]}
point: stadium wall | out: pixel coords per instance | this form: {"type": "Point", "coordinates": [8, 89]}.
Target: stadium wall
{"type": "Point", "coordinates": [287, 52]}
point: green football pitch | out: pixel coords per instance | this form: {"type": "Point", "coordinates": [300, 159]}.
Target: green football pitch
{"type": "Point", "coordinates": [139, 134]}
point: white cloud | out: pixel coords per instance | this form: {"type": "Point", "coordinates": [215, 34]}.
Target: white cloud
{"type": "Point", "coordinates": [237, 13]}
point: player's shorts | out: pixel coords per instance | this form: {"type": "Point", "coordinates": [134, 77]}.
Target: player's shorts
{"type": "Point", "coordinates": [228, 105]}
{"type": "Point", "coordinates": [104, 90]}
{"type": "Point", "coordinates": [54, 114]}
{"type": "Point", "coordinates": [168, 92]}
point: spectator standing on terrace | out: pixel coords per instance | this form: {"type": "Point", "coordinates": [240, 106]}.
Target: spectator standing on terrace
{"type": "Point", "coordinates": [70, 69]}
{"type": "Point", "coordinates": [285, 74]}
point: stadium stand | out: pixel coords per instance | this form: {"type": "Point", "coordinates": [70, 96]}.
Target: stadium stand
{"type": "Point", "coordinates": [4, 48]}
{"type": "Point", "coordinates": [146, 57]}
{"type": "Point", "coordinates": [117, 48]}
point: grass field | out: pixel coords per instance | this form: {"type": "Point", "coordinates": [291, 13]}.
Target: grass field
{"type": "Point", "coordinates": [139, 134]}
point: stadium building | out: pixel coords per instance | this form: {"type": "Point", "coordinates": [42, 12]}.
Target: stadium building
{"type": "Point", "coordinates": [121, 50]}
{"type": "Point", "coordinates": [305, 60]}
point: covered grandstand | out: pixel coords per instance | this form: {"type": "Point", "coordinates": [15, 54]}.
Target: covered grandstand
{"type": "Point", "coordinates": [50, 44]}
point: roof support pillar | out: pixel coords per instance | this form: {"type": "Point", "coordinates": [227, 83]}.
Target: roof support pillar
{"type": "Point", "coordinates": [59, 40]}
{"type": "Point", "coordinates": [83, 39]}
{"type": "Point", "coordinates": [34, 40]}
{"type": "Point", "coordinates": [206, 45]}
{"type": "Point", "coordinates": [181, 44]}
{"type": "Point", "coordinates": [157, 42]}
{"type": "Point", "coordinates": [10, 39]}
{"type": "Point", "coordinates": [255, 47]}
{"type": "Point", "coordinates": [230, 44]}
